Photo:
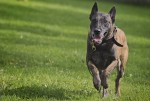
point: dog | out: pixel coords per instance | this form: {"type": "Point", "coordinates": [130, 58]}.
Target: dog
{"type": "Point", "coordinates": [107, 49]}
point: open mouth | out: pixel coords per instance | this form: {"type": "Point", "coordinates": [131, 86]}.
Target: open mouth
{"type": "Point", "coordinates": [97, 40]}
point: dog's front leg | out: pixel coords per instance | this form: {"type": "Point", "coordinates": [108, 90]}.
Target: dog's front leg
{"type": "Point", "coordinates": [105, 74]}
{"type": "Point", "coordinates": [111, 67]}
{"type": "Point", "coordinates": [95, 73]}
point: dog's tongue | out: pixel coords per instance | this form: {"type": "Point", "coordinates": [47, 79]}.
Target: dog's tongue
{"type": "Point", "coordinates": [97, 40]}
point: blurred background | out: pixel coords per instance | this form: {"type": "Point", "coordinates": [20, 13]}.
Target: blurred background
{"type": "Point", "coordinates": [43, 50]}
{"type": "Point", "coordinates": [134, 2]}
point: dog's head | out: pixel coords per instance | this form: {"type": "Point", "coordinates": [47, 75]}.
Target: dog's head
{"type": "Point", "coordinates": [101, 24]}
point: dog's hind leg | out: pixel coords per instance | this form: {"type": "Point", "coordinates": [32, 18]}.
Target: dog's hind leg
{"type": "Point", "coordinates": [120, 69]}
{"type": "Point", "coordinates": [95, 73]}
{"type": "Point", "coordinates": [120, 73]}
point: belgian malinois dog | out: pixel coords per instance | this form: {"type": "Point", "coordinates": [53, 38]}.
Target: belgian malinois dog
{"type": "Point", "coordinates": [107, 49]}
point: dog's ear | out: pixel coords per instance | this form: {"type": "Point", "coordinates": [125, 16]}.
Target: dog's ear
{"type": "Point", "coordinates": [112, 14]}
{"type": "Point", "coordinates": [94, 10]}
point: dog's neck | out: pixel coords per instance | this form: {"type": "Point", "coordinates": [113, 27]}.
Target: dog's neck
{"type": "Point", "coordinates": [111, 32]}
{"type": "Point", "coordinates": [111, 37]}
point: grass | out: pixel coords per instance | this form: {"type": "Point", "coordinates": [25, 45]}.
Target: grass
{"type": "Point", "coordinates": [43, 49]}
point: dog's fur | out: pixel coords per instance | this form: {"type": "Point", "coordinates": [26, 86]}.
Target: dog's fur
{"type": "Point", "coordinates": [106, 49]}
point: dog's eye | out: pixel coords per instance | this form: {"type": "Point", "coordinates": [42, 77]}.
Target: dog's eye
{"type": "Point", "coordinates": [105, 33]}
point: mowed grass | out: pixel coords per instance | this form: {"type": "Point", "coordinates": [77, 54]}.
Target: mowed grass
{"type": "Point", "coordinates": [43, 50]}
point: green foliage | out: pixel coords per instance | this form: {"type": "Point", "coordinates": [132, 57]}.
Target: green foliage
{"type": "Point", "coordinates": [43, 49]}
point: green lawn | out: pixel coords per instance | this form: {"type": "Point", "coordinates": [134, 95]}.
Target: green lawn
{"type": "Point", "coordinates": [43, 49]}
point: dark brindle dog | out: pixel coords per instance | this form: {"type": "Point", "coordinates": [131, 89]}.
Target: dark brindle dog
{"type": "Point", "coordinates": [106, 49]}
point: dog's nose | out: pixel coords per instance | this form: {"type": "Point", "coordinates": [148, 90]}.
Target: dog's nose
{"type": "Point", "coordinates": [96, 31]}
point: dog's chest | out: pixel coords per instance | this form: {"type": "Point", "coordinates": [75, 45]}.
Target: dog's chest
{"type": "Point", "coordinates": [102, 58]}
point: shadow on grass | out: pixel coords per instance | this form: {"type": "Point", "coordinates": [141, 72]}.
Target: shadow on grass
{"type": "Point", "coordinates": [27, 92]}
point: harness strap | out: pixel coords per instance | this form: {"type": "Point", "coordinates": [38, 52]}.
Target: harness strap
{"type": "Point", "coordinates": [118, 44]}
{"type": "Point", "coordinates": [113, 38]}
